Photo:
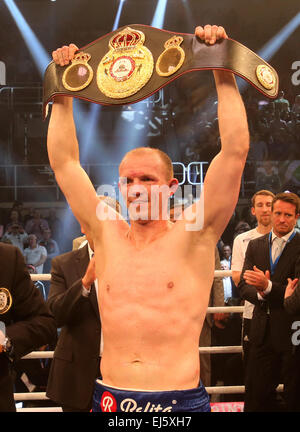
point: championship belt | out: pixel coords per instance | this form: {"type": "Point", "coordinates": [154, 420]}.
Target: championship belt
{"type": "Point", "coordinates": [133, 62]}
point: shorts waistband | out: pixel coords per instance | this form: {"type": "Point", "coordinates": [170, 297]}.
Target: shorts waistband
{"type": "Point", "coordinates": [109, 398]}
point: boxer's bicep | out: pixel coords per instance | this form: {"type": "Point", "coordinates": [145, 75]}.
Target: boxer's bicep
{"type": "Point", "coordinates": [221, 191]}
{"type": "Point", "coordinates": [79, 192]}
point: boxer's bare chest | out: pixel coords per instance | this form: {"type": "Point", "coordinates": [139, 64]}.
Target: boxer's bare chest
{"type": "Point", "coordinates": [160, 271]}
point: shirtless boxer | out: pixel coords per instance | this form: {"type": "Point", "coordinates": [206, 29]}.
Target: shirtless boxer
{"type": "Point", "coordinates": [155, 276]}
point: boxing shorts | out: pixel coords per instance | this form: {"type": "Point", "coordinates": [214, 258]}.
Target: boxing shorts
{"type": "Point", "coordinates": [112, 399]}
{"type": "Point", "coordinates": [133, 62]}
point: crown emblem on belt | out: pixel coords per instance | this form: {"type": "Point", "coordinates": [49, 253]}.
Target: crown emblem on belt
{"type": "Point", "coordinates": [127, 67]}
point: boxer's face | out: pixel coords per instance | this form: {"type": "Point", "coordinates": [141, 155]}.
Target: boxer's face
{"type": "Point", "coordinates": [144, 186]}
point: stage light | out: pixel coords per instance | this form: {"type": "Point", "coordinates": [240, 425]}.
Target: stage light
{"type": "Point", "coordinates": [39, 54]}
{"type": "Point", "coordinates": [136, 119]}
{"type": "Point", "coordinates": [93, 117]}
{"type": "Point", "coordinates": [190, 19]}
{"type": "Point", "coordinates": [118, 15]}
{"type": "Point", "coordinates": [159, 15]}
{"type": "Point", "coordinates": [274, 44]}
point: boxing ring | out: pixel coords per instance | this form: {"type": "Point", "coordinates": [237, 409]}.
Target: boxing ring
{"type": "Point", "coordinates": [216, 390]}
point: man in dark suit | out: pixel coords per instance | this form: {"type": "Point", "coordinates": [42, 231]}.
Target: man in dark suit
{"type": "Point", "coordinates": [76, 362]}
{"type": "Point", "coordinates": [25, 320]}
{"type": "Point", "coordinates": [273, 358]}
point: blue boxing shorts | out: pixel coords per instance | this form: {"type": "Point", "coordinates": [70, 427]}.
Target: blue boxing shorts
{"type": "Point", "coordinates": [113, 399]}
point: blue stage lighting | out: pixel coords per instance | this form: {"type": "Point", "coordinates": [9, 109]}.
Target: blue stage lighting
{"type": "Point", "coordinates": [274, 44]}
{"type": "Point", "coordinates": [119, 11]}
{"type": "Point", "coordinates": [159, 15]}
{"type": "Point", "coordinates": [94, 115]}
{"type": "Point", "coordinates": [40, 56]}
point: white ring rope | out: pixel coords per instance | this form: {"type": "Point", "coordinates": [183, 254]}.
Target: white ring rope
{"type": "Point", "coordinates": [47, 276]}
{"type": "Point", "coordinates": [204, 350]}
{"type": "Point", "coordinates": [210, 390]}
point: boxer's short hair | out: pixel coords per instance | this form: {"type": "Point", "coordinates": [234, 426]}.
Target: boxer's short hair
{"type": "Point", "coordinates": [140, 151]}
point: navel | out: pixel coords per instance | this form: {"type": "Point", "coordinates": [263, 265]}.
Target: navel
{"type": "Point", "coordinates": [107, 288]}
{"type": "Point", "coordinates": [170, 285]}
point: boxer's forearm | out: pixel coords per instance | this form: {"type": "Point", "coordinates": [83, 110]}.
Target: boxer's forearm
{"type": "Point", "coordinates": [62, 141]}
{"type": "Point", "coordinates": [233, 125]}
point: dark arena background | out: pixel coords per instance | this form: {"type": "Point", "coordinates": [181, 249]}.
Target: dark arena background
{"type": "Point", "coordinates": [181, 119]}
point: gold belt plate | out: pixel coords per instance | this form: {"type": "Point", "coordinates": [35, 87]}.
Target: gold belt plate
{"type": "Point", "coordinates": [127, 67]}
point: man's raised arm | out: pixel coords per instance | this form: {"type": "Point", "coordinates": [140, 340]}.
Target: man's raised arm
{"type": "Point", "coordinates": [63, 153]}
{"type": "Point", "coordinates": [223, 178]}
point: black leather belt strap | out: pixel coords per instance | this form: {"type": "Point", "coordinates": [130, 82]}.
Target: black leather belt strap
{"type": "Point", "coordinates": [226, 54]}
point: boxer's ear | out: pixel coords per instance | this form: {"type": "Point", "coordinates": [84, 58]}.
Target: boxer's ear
{"type": "Point", "coordinates": [173, 186]}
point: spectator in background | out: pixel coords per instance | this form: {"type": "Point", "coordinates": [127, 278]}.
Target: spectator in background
{"type": "Point", "coordinates": [35, 255]}
{"type": "Point", "coordinates": [227, 255]}
{"type": "Point", "coordinates": [14, 219]}
{"type": "Point", "coordinates": [241, 227]}
{"type": "Point", "coordinates": [296, 105]}
{"type": "Point", "coordinates": [51, 247]}
{"type": "Point", "coordinates": [29, 215]}
{"type": "Point", "coordinates": [282, 105]}
{"type": "Point", "coordinates": [230, 290]}
{"type": "Point", "coordinates": [294, 131]}
{"type": "Point", "coordinates": [279, 138]}
{"type": "Point", "coordinates": [261, 203]}
{"type": "Point", "coordinates": [227, 284]}
{"type": "Point", "coordinates": [26, 322]}
{"type": "Point", "coordinates": [16, 236]}
{"type": "Point", "coordinates": [258, 148]}
{"type": "Point", "coordinates": [36, 225]}
{"type": "Point", "coordinates": [291, 180]}
{"type": "Point", "coordinates": [269, 261]}
{"type": "Point", "coordinates": [55, 224]}
{"type": "Point", "coordinates": [267, 178]}
{"type": "Point", "coordinates": [18, 205]}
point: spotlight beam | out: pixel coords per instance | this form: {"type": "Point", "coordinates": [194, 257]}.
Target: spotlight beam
{"type": "Point", "coordinates": [274, 44]}
{"type": "Point", "coordinates": [39, 54]}
{"type": "Point", "coordinates": [118, 15]}
{"type": "Point", "coordinates": [95, 109]}
{"type": "Point", "coordinates": [159, 15]}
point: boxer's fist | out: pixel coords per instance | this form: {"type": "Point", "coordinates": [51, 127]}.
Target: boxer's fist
{"type": "Point", "coordinates": [211, 33]}
{"type": "Point", "coordinates": [62, 56]}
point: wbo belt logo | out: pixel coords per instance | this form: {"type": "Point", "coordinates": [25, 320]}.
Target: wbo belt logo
{"type": "Point", "coordinates": [109, 404]}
